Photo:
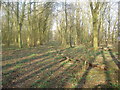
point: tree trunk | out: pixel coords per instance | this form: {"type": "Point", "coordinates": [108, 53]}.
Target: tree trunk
{"type": "Point", "coordinates": [95, 30]}
{"type": "Point", "coordinates": [20, 36]}
{"type": "Point", "coordinates": [95, 14]}
{"type": "Point", "coordinates": [66, 21]}
{"type": "Point", "coordinates": [20, 25]}
{"type": "Point", "coordinates": [8, 20]}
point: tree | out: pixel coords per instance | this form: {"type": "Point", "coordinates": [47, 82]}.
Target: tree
{"type": "Point", "coordinates": [95, 13]}
{"type": "Point", "coordinates": [20, 23]}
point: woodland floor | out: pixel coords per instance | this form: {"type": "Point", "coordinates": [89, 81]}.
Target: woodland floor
{"type": "Point", "coordinates": [48, 67]}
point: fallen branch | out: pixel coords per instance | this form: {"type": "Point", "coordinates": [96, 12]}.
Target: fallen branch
{"type": "Point", "coordinates": [103, 67]}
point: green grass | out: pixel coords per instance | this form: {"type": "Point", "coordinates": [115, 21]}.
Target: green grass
{"type": "Point", "coordinates": [44, 85]}
{"type": "Point", "coordinates": [72, 76]}
{"type": "Point", "coordinates": [15, 67]}
{"type": "Point", "coordinates": [64, 63]}
{"type": "Point", "coordinates": [4, 82]}
{"type": "Point", "coordinates": [33, 55]}
{"type": "Point", "coordinates": [60, 57]}
{"type": "Point", "coordinates": [26, 60]}
{"type": "Point", "coordinates": [108, 72]}
{"type": "Point", "coordinates": [73, 80]}
{"type": "Point", "coordinates": [115, 85]}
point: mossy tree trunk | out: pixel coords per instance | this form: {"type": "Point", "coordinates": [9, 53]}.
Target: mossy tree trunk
{"type": "Point", "coordinates": [95, 14]}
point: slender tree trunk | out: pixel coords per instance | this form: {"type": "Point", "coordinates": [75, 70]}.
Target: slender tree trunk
{"type": "Point", "coordinates": [66, 21]}
{"type": "Point", "coordinates": [70, 37]}
{"type": "Point", "coordinates": [113, 36]}
{"type": "Point", "coordinates": [78, 27]}
{"type": "Point", "coordinates": [118, 33]}
{"type": "Point", "coordinates": [8, 22]}
{"type": "Point", "coordinates": [106, 43]}
{"type": "Point", "coordinates": [108, 40]}
{"type": "Point", "coordinates": [20, 36]}
{"type": "Point", "coordinates": [113, 32]}
{"type": "Point", "coordinates": [99, 33]}
{"type": "Point", "coordinates": [29, 27]}
{"type": "Point", "coordinates": [20, 26]}
{"type": "Point", "coordinates": [34, 28]}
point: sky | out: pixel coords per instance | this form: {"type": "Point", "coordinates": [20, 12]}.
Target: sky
{"type": "Point", "coordinates": [62, 0]}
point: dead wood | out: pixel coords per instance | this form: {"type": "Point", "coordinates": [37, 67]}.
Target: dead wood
{"type": "Point", "coordinates": [103, 67]}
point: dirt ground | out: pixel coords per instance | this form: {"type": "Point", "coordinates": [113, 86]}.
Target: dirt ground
{"type": "Point", "coordinates": [48, 67]}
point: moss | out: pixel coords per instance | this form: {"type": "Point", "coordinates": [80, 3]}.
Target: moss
{"type": "Point", "coordinates": [33, 55]}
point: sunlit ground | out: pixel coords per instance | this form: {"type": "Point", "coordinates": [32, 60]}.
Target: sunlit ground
{"type": "Point", "coordinates": [47, 67]}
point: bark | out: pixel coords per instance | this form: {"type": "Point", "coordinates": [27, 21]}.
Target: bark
{"type": "Point", "coordinates": [8, 24]}
{"type": "Point", "coordinates": [20, 26]}
{"type": "Point", "coordinates": [95, 14]}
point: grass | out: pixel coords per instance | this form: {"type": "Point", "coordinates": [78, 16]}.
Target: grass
{"type": "Point", "coordinates": [26, 60]}
{"type": "Point", "coordinates": [32, 55]}
{"type": "Point", "coordinates": [70, 76]}
{"type": "Point", "coordinates": [64, 63]}
{"type": "Point", "coordinates": [115, 85]}
{"type": "Point", "coordinates": [43, 85]}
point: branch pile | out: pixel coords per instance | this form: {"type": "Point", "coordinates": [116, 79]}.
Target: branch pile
{"type": "Point", "coordinates": [103, 67]}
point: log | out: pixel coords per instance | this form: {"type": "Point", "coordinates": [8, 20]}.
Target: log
{"type": "Point", "coordinates": [103, 67]}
